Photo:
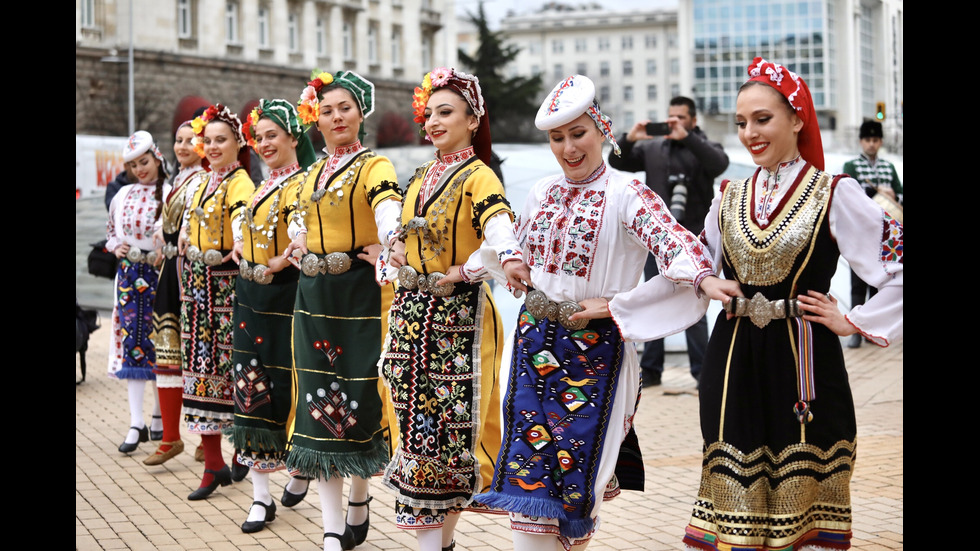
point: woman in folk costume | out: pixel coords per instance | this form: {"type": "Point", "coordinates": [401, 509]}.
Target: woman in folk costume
{"type": "Point", "coordinates": [344, 204]}
{"type": "Point", "coordinates": [777, 415]}
{"type": "Point", "coordinates": [573, 379]}
{"type": "Point", "coordinates": [265, 292]}
{"type": "Point", "coordinates": [208, 297]}
{"type": "Point", "coordinates": [442, 353]}
{"type": "Point", "coordinates": [166, 310]}
{"type": "Point", "coordinates": [134, 215]}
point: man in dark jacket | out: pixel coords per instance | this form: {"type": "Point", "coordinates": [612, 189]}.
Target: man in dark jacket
{"type": "Point", "coordinates": [680, 168]}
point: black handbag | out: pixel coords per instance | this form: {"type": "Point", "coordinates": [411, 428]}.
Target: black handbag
{"type": "Point", "coordinates": [101, 262]}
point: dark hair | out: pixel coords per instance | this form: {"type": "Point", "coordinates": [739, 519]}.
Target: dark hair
{"type": "Point", "coordinates": [336, 86]}
{"type": "Point", "coordinates": [683, 100]}
{"type": "Point", "coordinates": [748, 83]}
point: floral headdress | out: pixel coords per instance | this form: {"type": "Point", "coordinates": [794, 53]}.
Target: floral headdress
{"type": "Point", "coordinates": [466, 85]}
{"type": "Point", "coordinates": [195, 142]}
{"type": "Point", "coordinates": [217, 112]}
{"type": "Point", "coordinates": [567, 101]}
{"type": "Point", "coordinates": [309, 100]}
{"type": "Point", "coordinates": [797, 93]}
{"type": "Point", "coordinates": [286, 117]}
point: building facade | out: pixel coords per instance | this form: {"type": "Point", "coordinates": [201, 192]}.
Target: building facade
{"type": "Point", "coordinates": [236, 51]}
{"type": "Point", "coordinates": [633, 57]}
{"type": "Point", "coordinates": [850, 52]}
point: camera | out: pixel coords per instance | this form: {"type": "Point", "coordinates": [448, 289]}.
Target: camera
{"type": "Point", "coordinates": [678, 196]}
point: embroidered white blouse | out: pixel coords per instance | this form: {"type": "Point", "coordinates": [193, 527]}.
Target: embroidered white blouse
{"type": "Point", "coordinates": [132, 217]}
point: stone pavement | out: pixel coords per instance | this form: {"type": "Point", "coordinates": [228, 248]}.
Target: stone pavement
{"type": "Point", "coordinates": [120, 503]}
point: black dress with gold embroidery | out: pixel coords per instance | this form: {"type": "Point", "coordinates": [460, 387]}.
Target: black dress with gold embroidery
{"type": "Point", "coordinates": [770, 480]}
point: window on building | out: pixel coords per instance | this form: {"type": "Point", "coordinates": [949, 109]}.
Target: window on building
{"type": "Point", "coordinates": [603, 68]}
{"type": "Point", "coordinates": [675, 90]}
{"type": "Point", "coordinates": [652, 92]}
{"type": "Point", "coordinates": [559, 72]}
{"type": "Point", "coordinates": [427, 50]}
{"type": "Point", "coordinates": [321, 37]}
{"type": "Point", "coordinates": [372, 44]}
{"type": "Point", "coordinates": [88, 13]}
{"type": "Point", "coordinates": [348, 37]}
{"type": "Point", "coordinates": [675, 66]}
{"type": "Point", "coordinates": [534, 47]}
{"type": "Point", "coordinates": [263, 22]}
{"type": "Point", "coordinates": [580, 45]}
{"type": "Point", "coordinates": [396, 47]}
{"type": "Point", "coordinates": [672, 40]}
{"type": "Point", "coordinates": [652, 67]}
{"type": "Point", "coordinates": [185, 21]}
{"type": "Point", "coordinates": [557, 46]}
{"type": "Point", "coordinates": [627, 93]}
{"type": "Point", "coordinates": [292, 30]}
{"type": "Point", "coordinates": [603, 43]}
{"type": "Point", "coordinates": [231, 23]}
{"type": "Point", "coordinates": [627, 42]}
{"type": "Point", "coordinates": [628, 119]}
{"type": "Point", "coordinates": [651, 41]}
{"type": "Point", "coordinates": [627, 68]}
{"type": "Point", "coordinates": [535, 70]}
{"type": "Point", "coordinates": [581, 68]}
{"type": "Point", "coordinates": [603, 93]}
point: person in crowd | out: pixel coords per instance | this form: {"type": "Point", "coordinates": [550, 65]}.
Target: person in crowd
{"type": "Point", "coordinates": [777, 416]}
{"type": "Point", "coordinates": [208, 298]}
{"type": "Point", "coordinates": [343, 204]}
{"type": "Point", "coordinates": [134, 214]}
{"type": "Point", "coordinates": [573, 379]}
{"type": "Point", "coordinates": [442, 352]}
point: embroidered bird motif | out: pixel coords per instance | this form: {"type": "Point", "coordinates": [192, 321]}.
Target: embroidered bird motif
{"type": "Point", "coordinates": [580, 382]}
{"type": "Point", "coordinates": [525, 485]}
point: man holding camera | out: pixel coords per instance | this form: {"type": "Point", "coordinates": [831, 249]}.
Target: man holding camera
{"type": "Point", "coordinates": [681, 165]}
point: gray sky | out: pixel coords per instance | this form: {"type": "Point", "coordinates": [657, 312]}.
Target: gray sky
{"type": "Point", "coordinates": [497, 9]}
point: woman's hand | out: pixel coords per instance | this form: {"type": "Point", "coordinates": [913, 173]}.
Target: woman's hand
{"type": "Point", "coordinates": [721, 289]}
{"type": "Point", "coordinates": [182, 243]}
{"type": "Point", "coordinates": [121, 250]}
{"type": "Point", "coordinates": [158, 239]}
{"type": "Point", "coordinates": [297, 244]}
{"type": "Point", "coordinates": [453, 275]}
{"type": "Point", "coordinates": [518, 275]}
{"type": "Point", "coordinates": [370, 254]}
{"type": "Point", "coordinates": [277, 263]}
{"type": "Point", "coordinates": [397, 259]}
{"type": "Point", "coordinates": [595, 308]}
{"type": "Point", "coordinates": [823, 310]}
{"type": "Point", "coordinates": [237, 251]}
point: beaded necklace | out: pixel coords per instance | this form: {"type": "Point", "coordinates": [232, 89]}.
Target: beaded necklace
{"type": "Point", "coordinates": [218, 185]}
{"type": "Point", "coordinates": [274, 183]}
{"type": "Point", "coordinates": [432, 226]}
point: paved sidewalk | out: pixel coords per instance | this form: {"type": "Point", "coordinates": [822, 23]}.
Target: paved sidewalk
{"type": "Point", "coordinates": [120, 503]}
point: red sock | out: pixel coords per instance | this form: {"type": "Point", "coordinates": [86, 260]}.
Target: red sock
{"type": "Point", "coordinates": [170, 404]}
{"type": "Point", "coordinates": [212, 456]}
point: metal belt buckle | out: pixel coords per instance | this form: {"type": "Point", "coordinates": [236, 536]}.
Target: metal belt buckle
{"type": "Point", "coordinates": [337, 263]}
{"type": "Point", "coordinates": [169, 250]}
{"type": "Point", "coordinates": [259, 275]}
{"type": "Point", "coordinates": [212, 257]}
{"type": "Point", "coordinates": [408, 277]}
{"type": "Point", "coordinates": [193, 253]}
{"type": "Point", "coordinates": [760, 311]}
{"type": "Point", "coordinates": [439, 290]}
{"type": "Point", "coordinates": [310, 265]}
{"type": "Point", "coordinates": [423, 283]}
{"type": "Point", "coordinates": [539, 306]}
{"type": "Point", "coordinates": [134, 255]}
{"type": "Point", "coordinates": [151, 258]}
{"type": "Point", "coordinates": [244, 270]}
{"type": "Point", "coordinates": [565, 310]}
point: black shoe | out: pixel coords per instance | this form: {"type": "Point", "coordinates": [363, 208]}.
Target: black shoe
{"type": "Point", "coordinates": [238, 471]}
{"type": "Point", "coordinates": [290, 499]}
{"type": "Point", "coordinates": [450, 547]}
{"type": "Point", "coordinates": [221, 477]}
{"type": "Point", "coordinates": [361, 530]}
{"type": "Point", "coordinates": [144, 436]}
{"type": "Point", "coordinates": [346, 540]}
{"type": "Point", "coordinates": [854, 341]}
{"type": "Point", "coordinates": [156, 435]}
{"type": "Point", "coordinates": [250, 526]}
{"type": "Point", "coordinates": [651, 379]}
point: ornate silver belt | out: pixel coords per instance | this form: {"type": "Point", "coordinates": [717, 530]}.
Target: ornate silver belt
{"type": "Point", "coordinates": [540, 306]}
{"type": "Point", "coordinates": [333, 263]}
{"type": "Point", "coordinates": [170, 250]}
{"type": "Point", "coordinates": [761, 310]}
{"type": "Point", "coordinates": [409, 278]}
{"type": "Point", "coordinates": [254, 273]}
{"type": "Point", "coordinates": [135, 255]}
{"type": "Point", "coordinates": [211, 257]}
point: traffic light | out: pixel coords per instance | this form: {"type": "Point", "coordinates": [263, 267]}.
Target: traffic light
{"type": "Point", "coordinates": [880, 111]}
